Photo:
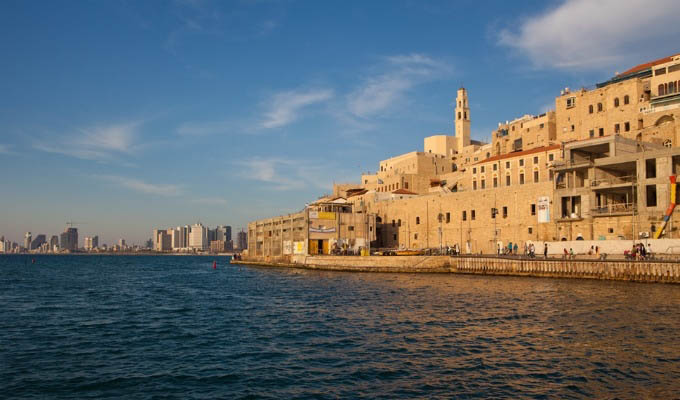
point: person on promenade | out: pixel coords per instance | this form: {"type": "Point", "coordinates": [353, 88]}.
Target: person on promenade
{"type": "Point", "coordinates": [571, 253]}
{"type": "Point", "coordinates": [515, 248]}
{"type": "Point", "coordinates": [545, 250]}
{"type": "Point", "coordinates": [566, 254]}
{"type": "Point", "coordinates": [509, 248]}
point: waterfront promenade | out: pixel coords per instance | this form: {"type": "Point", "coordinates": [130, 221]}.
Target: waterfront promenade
{"type": "Point", "coordinates": [638, 271]}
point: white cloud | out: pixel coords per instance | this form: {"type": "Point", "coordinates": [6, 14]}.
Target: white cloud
{"type": "Point", "coordinates": [143, 187]}
{"type": "Point", "coordinates": [102, 142]}
{"type": "Point", "coordinates": [282, 174]}
{"type": "Point", "coordinates": [383, 90]}
{"type": "Point", "coordinates": [581, 34]}
{"type": "Point", "coordinates": [285, 107]}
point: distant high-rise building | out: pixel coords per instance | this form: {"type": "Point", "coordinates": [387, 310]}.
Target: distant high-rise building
{"type": "Point", "coordinates": [242, 240]}
{"type": "Point", "coordinates": [198, 237]}
{"type": "Point", "coordinates": [149, 244]}
{"type": "Point", "coordinates": [27, 240]}
{"type": "Point", "coordinates": [37, 242]}
{"type": "Point", "coordinates": [54, 242]}
{"type": "Point", "coordinates": [163, 241]}
{"type": "Point", "coordinates": [223, 233]}
{"type": "Point", "coordinates": [91, 243]}
{"type": "Point", "coordinates": [69, 239]}
{"type": "Point", "coordinates": [121, 243]}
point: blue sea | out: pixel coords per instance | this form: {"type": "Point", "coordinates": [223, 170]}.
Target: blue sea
{"type": "Point", "coordinates": [172, 327]}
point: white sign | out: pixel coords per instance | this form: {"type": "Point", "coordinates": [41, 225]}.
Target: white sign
{"type": "Point", "coordinates": [543, 210]}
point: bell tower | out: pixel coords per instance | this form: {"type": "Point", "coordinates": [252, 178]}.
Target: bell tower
{"type": "Point", "coordinates": [462, 119]}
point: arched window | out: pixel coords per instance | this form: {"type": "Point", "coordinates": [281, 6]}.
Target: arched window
{"type": "Point", "coordinates": [616, 102]}
{"type": "Point", "coordinates": [458, 114]}
{"type": "Point", "coordinates": [590, 109]}
{"type": "Point", "coordinates": [626, 99]}
{"type": "Point", "coordinates": [465, 114]}
{"type": "Point", "coordinates": [671, 87]}
{"type": "Point", "coordinates": [417, 220]}
{"type": "Point", "coordinates": [599, 107]}
{"type": "Point", "coordinates": [662, 91]}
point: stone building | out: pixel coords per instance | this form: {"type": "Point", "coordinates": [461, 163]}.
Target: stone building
{"type": "Point", "coordinates": [597, 167]}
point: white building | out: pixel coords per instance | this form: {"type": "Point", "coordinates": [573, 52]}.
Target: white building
{"type": "Point", "coordinates": [198, 237]}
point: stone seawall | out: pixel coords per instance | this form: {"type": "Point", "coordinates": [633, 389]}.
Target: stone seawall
{"type": "Point", "coordinates": [639, 271]}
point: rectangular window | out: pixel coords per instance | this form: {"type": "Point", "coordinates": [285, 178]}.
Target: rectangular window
{"type": "Point", "coordinates": [660, 71]}
{"type": "Point", "coordinates": [464, 215]}
{"type": "Point", "coordinates": [535, 160]}
{"type": "Point", "coordinates": [640, 123]}
{"type": "Point", "coordinates": [601, 132]}
{"type": "Point", "coordinates": [571, 102]}
{"type": "Point", "coordinates": [399, 223]}
{"type": "Point", "coordinates": [507, 180]}
{"type": "Point", "coordinates": [551, 157]}
{"type": "Point", "coordinates": [417, 220]}
{"type": "Point", "coordinates": [474, 185]}
{"type": "Point", "coordinates": [448, 217]}
{"type": "Point", "coordinates": [495, 181]}
{"type": "Point", "coordinates": [495, 167]}
{"type": "Point", "coordinates": [530, 230]}
{"type": "Point", "coordinates": [535, 176]}
{"type": "Point", "coordinates": [533, 209]}
{"type": "Point", "coordinates": [472, 215]}
{"type": "Point", "coordinates": [350, 228]}
{"type": "Point", "coordinates": [505, 212]}
{"type": "Point", "coordinates": [392, 223]}
{"type": "Point", "coordinates": [474, 170]}
{"type": "Point", "coordinates": [394, 236]}
{"type": "Point", "coordinates": [617, 128]}
{"type": "Point", "coordinates": [651, 195]}
{"type": "Point", "coordinates": [592, 133]}
{"type": "Point", "coordinates": [483, 184]}
{"type": "Point", "coordinates": [482, 169]}
{"type": "Point", "coordinates": [521, 162]}
{"type": "Point", "coordinates": [521, 179]}
{"type": "Point", "coordinates": [650, 168]}
{"type": "Point", "coordinates": [507, 164]}
{"type": "Point", "coordinates": [626, 126]}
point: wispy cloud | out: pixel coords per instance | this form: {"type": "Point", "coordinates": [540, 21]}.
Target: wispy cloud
{"type": "Point", "coordinates": [210, 201]}
{"type": "Point", "coordinates": [4, 149]}
{"type": "Point", "coordinates": [399, 74]}
{"type": "Point", "coordinates": [582, 34]}
{"type": "Point", "coordinates": [101, 142]}
{"type": "Point", "coordinates": [285, 107]}
{"type": "Point", "coordinates": [282, 174]}
{"type": "Point", "coordinates": [140, 186]}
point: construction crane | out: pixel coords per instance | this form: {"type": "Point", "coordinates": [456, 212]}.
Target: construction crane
{"type": "Point", "coordinates": [71, 223]}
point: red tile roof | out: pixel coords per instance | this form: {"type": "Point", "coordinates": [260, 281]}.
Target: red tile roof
{"type": "Point", "coordinates": [646, 65]}
{"type": "Point", "coordinates": [520, 153]}
{"type": "Point", "coordinates": [403, 191]}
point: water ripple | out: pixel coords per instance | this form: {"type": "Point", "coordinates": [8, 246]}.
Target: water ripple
{"type": "Point", "coordinates": [172, 327]}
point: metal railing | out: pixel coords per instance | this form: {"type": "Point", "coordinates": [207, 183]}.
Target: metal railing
{"type": "Point", "coordinates": [614, 208]}
{"type": "Point", "coordinates": [615, 180]}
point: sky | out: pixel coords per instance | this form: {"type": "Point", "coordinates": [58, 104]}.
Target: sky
{"type": "Point", "coordinates": [125, 116]}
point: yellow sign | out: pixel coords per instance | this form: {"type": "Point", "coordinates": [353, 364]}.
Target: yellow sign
{"type": "Point", "coordinates": [326, 215]}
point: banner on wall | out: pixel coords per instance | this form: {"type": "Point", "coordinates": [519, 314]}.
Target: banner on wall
{"type": "Point", "coordinates": [322, 230]}
{"type": "Point", "coordinates": [298, 247]}
{"type": "Point", "coordinates": [543, 210]}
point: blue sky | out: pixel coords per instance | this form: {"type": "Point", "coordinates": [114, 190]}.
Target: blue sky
{"type": "Point", "coordinates": [127, 115]}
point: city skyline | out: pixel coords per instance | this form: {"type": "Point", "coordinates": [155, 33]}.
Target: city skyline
{"type": "Point", "coordinates": [187, 111]}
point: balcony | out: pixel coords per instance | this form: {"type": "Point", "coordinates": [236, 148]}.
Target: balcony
{"type": "Point", "coordinates": [614, 209]}
{"type": "Point", "coordinates": [612, 182]}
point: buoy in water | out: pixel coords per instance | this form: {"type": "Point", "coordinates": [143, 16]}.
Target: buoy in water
{"type": "Point", "coordinates": [214, 264]}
